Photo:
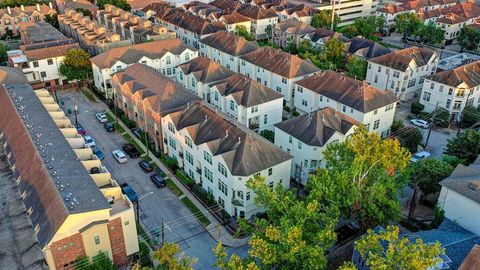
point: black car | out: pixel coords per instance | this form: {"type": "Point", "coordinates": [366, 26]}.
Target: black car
{"type": "Point", "coordinates": [158, 180]}
{"type": "Point", "coordinates": [109, 127]}
{"type": "Point", "coordinates": [145, 165]}
{"type": "Point", "coordinates": [130, 150]}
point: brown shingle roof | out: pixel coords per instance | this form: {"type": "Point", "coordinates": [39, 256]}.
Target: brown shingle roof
{"type": "Point", "coordinates": [400, 60]}
{"type": "Point", "coordinates": [245, 91]}
{"type": "Point", "coordinates": [468, 74]}
{"type": "Point", "coordinates": [294, 27]}
{"type": "Point", "coordinates": [205, 70]}
{"type": "Point", "coordinates": [192, 22]}
{"type": "Point", "coordinates": [472, 261]}
{"type": "Point", "coordinates": [316, 128]}
{"type": "Point", "coordinates": [353, 93]}
{"type": "Point", "coordinates": [133, 53]}
{"type": "Point", "coordinates": [257, 13]}
{"type": "Point", "coordinates": [234, 18]}
{"type": "Point", "coordinates": [230, 43]}
{"type": "Point", "coordinates": [457, 13]}
{"type": "Point", "coordinates": [280, 62]}
{"type": "Point", "coordinates": [48, 50]}
{"type": "Point", "coordinates": [29, 10]}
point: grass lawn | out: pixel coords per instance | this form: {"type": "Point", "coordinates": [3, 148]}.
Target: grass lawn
{"type": "Point", "coordinates": [141, 232]}
{"type": "Point", "coordinates": [173, 187]}
{"type": "Point", "coordinates": [195, 211]}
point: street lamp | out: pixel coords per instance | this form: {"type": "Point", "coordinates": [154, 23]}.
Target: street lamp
{"type": "Point", "coordinates": [138, 205]}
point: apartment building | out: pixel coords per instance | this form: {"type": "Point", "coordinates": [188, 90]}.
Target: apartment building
{"type": "Point", "coordinates": [305, 137]}
{"type": "Point", "coordinates": [277, 70]}
{"type": "Point", "coordinates": [290, 30]}
{"type": "Point", "coordinates": [10, 17]}
{"type": "Point", "coordinates": [131, 26]}
{"type": "Point", "coordinates": [222, 156]}
{"type": "Point", "coordinates": [91, 36]}
{"type": "Point", "coordinates": [226, 49]}
{"type": "Point", "coordinates": [402, 71]}
{"type": "Point", "coordinates": [234, 20]}
{"type": "Point", "coordinates": [392, 10]}
{"type": "Point", "coordinates": [73, 212]}
{"type": "Point", "coordinates": [452, 90]}
{"type": "Point", "coordinates": [318, 37]}
{"type": "Point", "coordinates": [146, 96]}
{"type": "Point", "coordinates": [357, 99]}
{"type": "Point", "coordinates": [300, 12]}
{"type": "Point", "coordinates": [240, 98]}
{"type": "Point", "coordinates": [162, 55]}
{"type": "Point", "coordinates": [42, 52]}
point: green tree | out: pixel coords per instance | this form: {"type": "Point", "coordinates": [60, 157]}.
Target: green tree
{"type": "Point", "coordinates": [333, 54]}
{"type": "Point", "coordinates": [442, 117]}
{"type": "Point", "coordinates": [268, 134]}
{"type": "Point", "coordinates": [431, 34]}
{"type": "Point", "coordinates": [291, 47]}
{"type": "Point", "coordinates": [466, 146]}
{"type": "Point", "coordinates": [241, 30]}
{"type": "Point", "coordinates": [356, 67]}
{"type": "Point", "coordinates": [469, 38]}
{"type": "Point", "coordinates": [427, 173]}
{"type": "Point", "coordinates": [452, 160]}
{"type": "Point", "coordinates": [101, 261]}
{"type": "Point", "coordinates": [410, 138]}
{"type": "Point", "coordinates": [85, 12]}
{"type": "Point", "coordinates": [407, 24]}
{"type": "Point", "coordinates": [268, 31]}
{"type": "Point", "coordinates": [416, 107]}
{"type": "Point", "coordinates": [470, 116]}
{"type": "Point", "coordinates": [397, 125]}
{"type": "Point", "coordinates": [323, 19]}
{"type": "Point", "coordinates": [362, 177]}
{"type": "Point", "coordinates": [76, 66]}
{"type": "Point", "coordinates": [305, 46]}
{"type": "Point", "coordinates": [3, 53]}
{"type": "Point", "coordinates": [349, 31]}
{"type": "Point", "coordinates": [123, 4]}
{"type": "Point", "coordinates": [368, 26]}
{"type": "Point", "coordinates": [400, 253]}
{"type": "Point", "coordinates": [167, 257]}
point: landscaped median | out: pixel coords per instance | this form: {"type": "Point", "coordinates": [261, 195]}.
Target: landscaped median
{"type": "Point", "coordinates": [195, 211]}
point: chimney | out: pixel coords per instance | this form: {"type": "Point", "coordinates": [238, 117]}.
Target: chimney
{"type": "Point", "coordinates": [50, 5]}
{"type": "Point", "coordinates": [22, 7]}
{"type": "Point", "coordinates": [38, 7]}
{"type": "Point", "coordinates": [9, 11]}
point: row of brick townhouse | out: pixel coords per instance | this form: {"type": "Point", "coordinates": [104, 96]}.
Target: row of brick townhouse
{"type": "Point", "coordinates": [217, 153]}
{"type": "Point", "coordinates": [11, 17]}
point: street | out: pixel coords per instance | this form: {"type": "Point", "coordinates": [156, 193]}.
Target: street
{"type": "Point", "coordinates": [181, 226]}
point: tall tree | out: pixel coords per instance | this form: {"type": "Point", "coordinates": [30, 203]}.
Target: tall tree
{"type": "Point", "coordinates": [427, 173]}
{"type": "Point", "coordinates": [469, 38]}
{"type": "Point", "coordinates": [431, 34]}
{"type": "Point", "coordinates": [333, 54]}
{"type": "Point", "coordinates": [241, 30]}
{"type": "Point", "coordinates": [399, 253]}
{"type": "Point", "coordinates": [76, 66]}
{"type": "Point", "coordinates": [470, 116]}
{"type": "Point", "coordinates": [356, 67]}
{"type": "Point", "coordinates": [368, 26]}
{"type": "Point", "coordinates": [268, 31]}
{"type": "Point", "coordinates": [362, 177]}
{"type": "Point", "coordinates": [323, 19]}
{"type": "Point", "coordinates": [466, 146]}
{"type": "Point", "coordinates": [410, 138]}
{"type": "Point", "coordinates": [407, 24]}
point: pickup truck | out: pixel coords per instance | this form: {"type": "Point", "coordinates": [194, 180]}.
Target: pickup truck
{"type": "Point", "coordinates": [128, 190]}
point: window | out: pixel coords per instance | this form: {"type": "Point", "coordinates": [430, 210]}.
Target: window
{"type": "Point", "coordinates": [207, 157]}
{"type": "Point", "coordinates": [232, 105]}
{"type": "Point", "coordinates": [299, 145]}
{"type": "Point", "coordinates": [379, 68]}
{"type": "Point", "coordinates": [181, 75]}
{"type": "Point", "coordinates": [376, 124]}
{"type": "Point", "coordinates": [432, 85]}
{"type": "Point", "coordinates": [247, 196]}
{"type": "Point", "coordinates": [426, 96]}
{"type": "Point", "coordinates": [168, 60]}
{"type": "Point", "coordinates": [411, 83]}
{"type": "Point", "coordinates": [457, 105]}
{"type": "Point", "coordinates": [344, 108]}
{"type": "Point", "coordinates": [215, 95]}
{"type": "Point", "coordinates": [376, 79]}
{"type": "Point", "coordinates": [222, 169]}
{"type": "Point", "coordinates": [208, 174]}
{"type": "Point", "coordinates": [221, 202]}
{"type": "Point", "coordinates": [290, 139]}
{"type": "Point", "coordinates": [440, 89]}
{"type": "Point", "coordinates": [188, 141]}
{"type": "Point", "coordinates": [321, 98]}
{"type": "Point", "coordinates": [265, 119]}
{"type": "Point", "coordinates": [50, 62]}
{"type": "Point", "coordinates": [126, 223]}
{"type": "Point", "coordinates": [187, 56]}
{"type": "Point", "coordinates": [254, 109]}
{"type": "Point", "coordinates": [448, 103]}
{"type": "Point", "coordinates": [270, 171]}
{"type": "Point", "coordinates": [43, 74]}
{"type": "Point", "coordinates": [169, 71]}
{"type": "Point", "coordinates": [240, 194]}
{"type": "Point", "coordinates": [189, 157]}
{"type": "Point", "coordinates": [97, 239]}
{"type": "Point", "coordinates": [222, 187]}
{"type": "Point", "coordinates": [284, 80]}
{"type": "Point", "coordinates": [300, 89]}
{"type": "Point", "coordinates": [450, 91]}
{"type": "Point", "coordinates": [194, 84]}
{"type": "Point", "coordinates": [375, 112]}
{"type": "Point", "coordinates": [35, 64]}
{"type": "Point", "coordinates": [172, 143]}
{"type": "Point", "coordinates": [304, 102]}
{"type": "Point", "coordinates": [171, 127]}
{"type": "Point", "coordinates": [279, 89]}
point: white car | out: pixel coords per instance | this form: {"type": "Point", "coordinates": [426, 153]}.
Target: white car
{"type": "Point", "coordinates": [101, 117]}
{"type": "Point", "coordinates": [419, 156]}
{"type": "Point", "coordinates": [119, 156]}
{"type": "Point", "coordinates": [89, 141]}
{"type": "Point", "coordinates": [420, 123]}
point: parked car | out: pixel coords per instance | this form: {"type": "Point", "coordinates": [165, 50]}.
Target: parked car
{"type": "Point", "coordinates": [137, 132]}
{"type": "Point", "coordinates": [109, 127]}
{"type": "Point", "coordinates": [128, 190]}
{"type": "Point", "coordinates": [119, 156]}
{"type": "Point", "coordinates": [158, 180]}
{"type": "Point", "coordinates": [131, 150]}
{"type": "Point", "coordinates": [97, 152]}
{"type": "Point", "coordinates": [419, 156]}
{"type": "Point", "coordinates": [94, 170]}
{"type": "Point", "coordinates": [101, 117]}
{"type": "Point", "coordinates": [89, 141]}
{"type": "Point", "coordinates": [80, 130]}
{"type": "Point", "coordinates": [420, 123]}
{"type": "Point", "coordinates": [145, 165]}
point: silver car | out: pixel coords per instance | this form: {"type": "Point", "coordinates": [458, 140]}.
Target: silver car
{"type": "Point", "coordinates": [101, 117]}
{"type": "Point", "coordinates": [420, 123]}
{"type": "Point", "coordinates": [119, 156]}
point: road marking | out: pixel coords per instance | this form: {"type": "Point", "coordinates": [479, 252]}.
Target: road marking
{"type": "Point", "coordinates": [168, 228]}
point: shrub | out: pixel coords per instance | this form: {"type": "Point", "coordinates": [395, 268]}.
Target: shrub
{"type": "Point", "coordinates": [396, 125]}
{"type": "Point", "coordinates": [268, 134]}
{"type": "Point", "coordinates": [206, 197]}
{"type": "Point", "coordinates": [184, 178]}
{"type": "Point", "coordinates": [417, 107]}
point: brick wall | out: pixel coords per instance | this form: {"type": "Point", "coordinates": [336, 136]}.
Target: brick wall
{"type": "Point", "coordinates": [67, 250]}
{"type": "Point", "coordinates": [117, 242]}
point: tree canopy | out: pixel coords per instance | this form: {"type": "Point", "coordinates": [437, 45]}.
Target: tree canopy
{"type": "Point", "coordinates": [101, 261]}
{"type": "Point", "coordinates": [469, 38]}
{"type": "Point", "coordinates": [366, 27]}
{"type": "Point", "coordinates": [427, 173]}
{"type": "Point", "coordinates": [333, 54]}
{"type": "Point", "coordinates": [323, 19]}
{"type": "Point", "coordinates": [123, 4]}
{"type": "Point", "coordinates": [470, 116]}
{"type": "Point", "coordinates": [3, 53]}
{"type": "Point", "coordinates": [465, 146]}
{"type": "Point", "coordinates": [356, 67]}
{"type": "Point", "coordinates": [76, 65]}
{"type": "Point", "coordinates": [241, 30]}
{"type": "Point", "coordinates": [407, 24]}
{"type": "Point", "coordinates": [410, 138]}
{"type": "Point", "coordinates": [431, 34]}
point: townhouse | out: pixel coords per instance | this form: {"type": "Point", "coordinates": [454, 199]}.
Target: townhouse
{"type": "Point", "coordinates": [63, 5]}
{"type": "Point", "coordinates": [221, 156]}
{"type": "Point", "coordinates": [10, 17]}
{"type": "Point", "coordinates": [131, 26]}
{"type": "Point", "coordinates": [277, 70]}
{"type": "Point", "coordinates": [162, 55]}
{"type": "Point", "coordinates": [91, 36]}
{"type": "Point", "coordinates": [305, 137]}
{"type": "Point", "coordinates": [357, 99]}
{"type": "Point", "coordinates": [402, 71]}
{"type": "Point", "coordinates": [145, 96]}
{"type": "Point", "coordinates": [365, 48]}
{"type": "Point", "coordinates": [73, 212]}
{"type": "Point", "coordinates": [452, 90]}
{"type": "Point", "coordinates": [240, 98]}
{"type": "Point", "coordinates": [235, 20]}
{"type": "Point", "coordinates": [290, 30]}
{"type": "Point", "coordinates": [217, 153]}
{"type": "Point", "coordinates": [262, 20]}
{"type": "Point", "coordinates": [226, 49]}
{"type": "Point", "coordinates": [392, 10]}
{"type": "Point", "coordinates": [42, 52]}
{"type": "Point", "coordinates": [300, 12]}
{"type": "Point", "coordinates": [318, 37]}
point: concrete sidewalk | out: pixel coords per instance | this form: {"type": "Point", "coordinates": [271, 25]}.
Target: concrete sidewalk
{"type": "Point", "coordinates": [215, 229]}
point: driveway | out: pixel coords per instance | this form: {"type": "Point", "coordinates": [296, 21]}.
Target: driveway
{"type": "Point", "coordinates": [181, 226]}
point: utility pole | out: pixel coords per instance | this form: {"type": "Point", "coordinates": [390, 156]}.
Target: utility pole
{"type": "Point", "coordinates": [138, 212]}
{"type": "Point", "coordinates": [431, 125]}
{"type": "Point", "coordinates": [163, 232]}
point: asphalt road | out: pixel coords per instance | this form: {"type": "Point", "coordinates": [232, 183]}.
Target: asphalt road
{"type": "Point", "coordinates": [180, 226]}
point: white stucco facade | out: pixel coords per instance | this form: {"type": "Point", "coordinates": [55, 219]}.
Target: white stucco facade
{"type": "Point", "coordinates": [460, 209]}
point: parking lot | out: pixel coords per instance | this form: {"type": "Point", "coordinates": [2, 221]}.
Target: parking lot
{"type": "Point", "coordinates": [161, 205]}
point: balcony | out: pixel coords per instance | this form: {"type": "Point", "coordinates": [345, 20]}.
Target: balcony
{"type": "Point", "coordinates": [237, 202]}
{"type": "Point", "coordinates": [199, 171]}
